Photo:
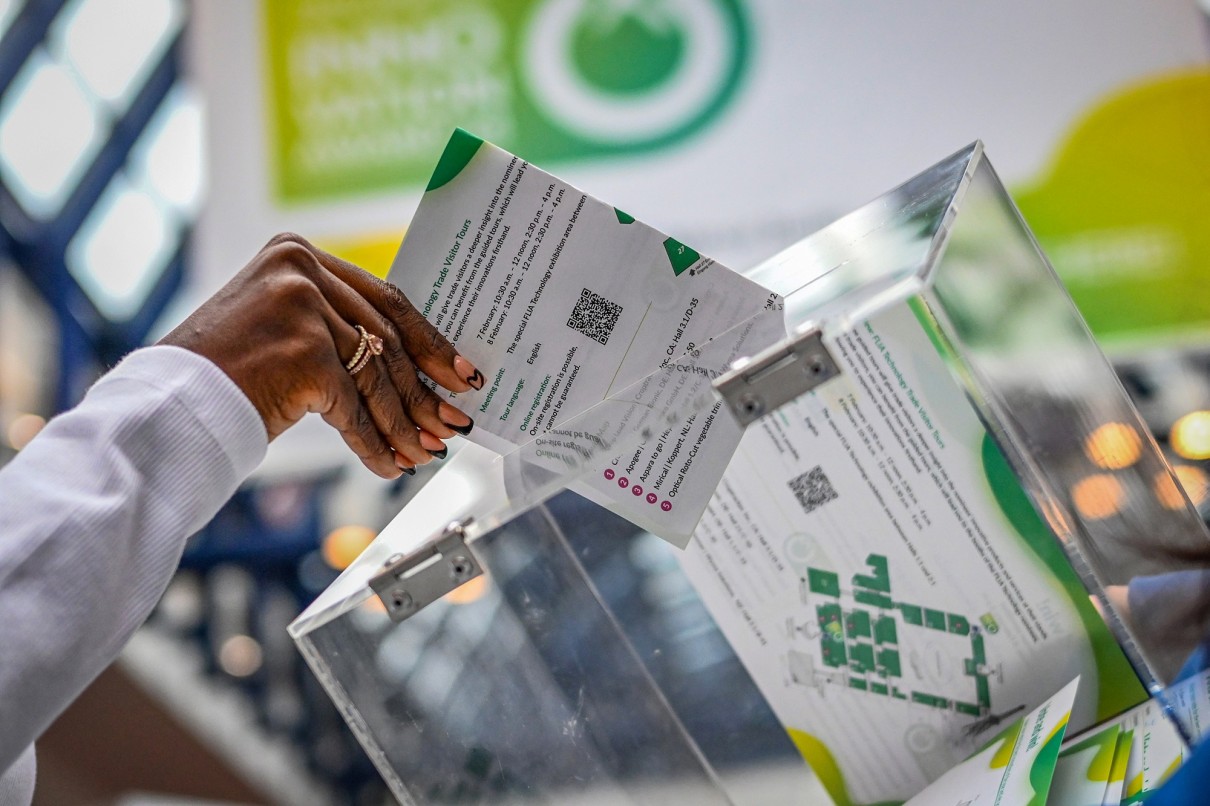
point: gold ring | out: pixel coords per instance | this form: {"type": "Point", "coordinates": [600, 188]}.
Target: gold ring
{"type": "Point", "coordinates": [369, 347]}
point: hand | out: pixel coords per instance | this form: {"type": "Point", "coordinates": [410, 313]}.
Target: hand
{"type": "Point", "coordinates": [1118, 597]}
{"type": "Point", "coordinates": [283, 329]}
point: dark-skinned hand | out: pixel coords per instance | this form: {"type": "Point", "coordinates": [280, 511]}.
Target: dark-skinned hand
{"type": "Point", "coordinates": [285, 327]}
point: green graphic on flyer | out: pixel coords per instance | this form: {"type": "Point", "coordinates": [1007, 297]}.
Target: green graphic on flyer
{"type": "Point", "coordinates": [1118, 687]}
{"type": "Point", "coordinates": [859, 639]}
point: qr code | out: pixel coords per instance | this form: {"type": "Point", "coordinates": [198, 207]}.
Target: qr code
{"type": "Point", "coordinates": [813, 490]}
{"type": "Point", "coordinates": [594, 316]}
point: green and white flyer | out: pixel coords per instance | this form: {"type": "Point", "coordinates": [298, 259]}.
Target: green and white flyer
{"type": "Point", "coordinates": [1117, 775]}
{"type": "Point", "coordinates": [1150, 748]}
{"type": "Point", "coordinates": [877, 567]}
{"type": "Point", "coordinates": [1155, 752]}
{"type": "Point", "coordinates": [561, 301]}
{"type": "Point", "coordinates": [1015, 768]}
{"type": "Point", "coordinates": [1085, 769]}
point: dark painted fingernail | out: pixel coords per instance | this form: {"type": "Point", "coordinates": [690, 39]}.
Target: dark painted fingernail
{"type": "Point", "coordinates": [441, 454]}
{"type": "Point", "coordinates": [462, 429]}
{"type": "Point", "coordinates": [468, 371]}
{"type": "Point", "coordinates": [455, 419]}
{"type": "Point", "coordinates": [399, 463]}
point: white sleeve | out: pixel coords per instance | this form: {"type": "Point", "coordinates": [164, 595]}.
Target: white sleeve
{"type": "Point", "coordinates": [94, 514]}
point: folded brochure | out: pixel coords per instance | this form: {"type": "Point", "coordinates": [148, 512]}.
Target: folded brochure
{"type": "Point", "coordinates": [1085, 769]}
{"type": "Point", "coordinates": [1015, 768]}
{"type": "Point", "coordinates": [1029, 764]}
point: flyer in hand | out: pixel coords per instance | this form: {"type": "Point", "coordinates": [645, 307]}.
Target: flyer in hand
{"type": "Point", "coordinates": [563, 300]}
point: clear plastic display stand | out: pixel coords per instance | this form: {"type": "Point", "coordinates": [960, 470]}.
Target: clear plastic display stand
{"type": "Point", "coordinates": [505, 641]}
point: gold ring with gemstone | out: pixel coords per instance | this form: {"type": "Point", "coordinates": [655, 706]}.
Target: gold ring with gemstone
{"type": "Point", "coordinates": [369, 347]}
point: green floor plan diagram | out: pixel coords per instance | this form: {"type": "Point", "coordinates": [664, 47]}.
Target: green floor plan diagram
{"type": "Point", "coordinates": [866, 639]}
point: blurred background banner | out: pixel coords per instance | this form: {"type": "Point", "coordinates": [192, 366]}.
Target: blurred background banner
{"type": "Point", "coordinates": [1122, 207]}
{"type": "Point", "coordinates": [362, 95]}
{"type": "Point", "coordinates": [737, 126]}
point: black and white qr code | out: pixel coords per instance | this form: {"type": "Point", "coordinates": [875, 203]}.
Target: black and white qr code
{"type": "Point", "coordinates": [813, 489]}
{"type": "Point", "coordinates": [594, 316]}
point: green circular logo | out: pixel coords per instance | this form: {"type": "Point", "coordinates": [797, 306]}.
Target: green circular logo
{"type": "Point", "coordinates": [633, 72]}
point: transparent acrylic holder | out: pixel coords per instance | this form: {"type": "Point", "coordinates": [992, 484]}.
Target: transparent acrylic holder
{"type": "Point", "coordinates": [582, 665]}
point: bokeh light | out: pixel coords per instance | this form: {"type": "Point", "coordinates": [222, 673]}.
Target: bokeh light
{"type": "Point", "coordinates": [468, 592]}
{"type": "Point", "coordinates": [1098, 497]}
{"type": "Point", "coordinates": [345, 544]}
{"type": "Point", "coordinates": [1114, 446]}
{"type": "Point", "coordinates": [240, 656]}
{"type": "Point", "coordinates": [1192, 479]}
{"type": "Point", "coordinates": [1190, 435]}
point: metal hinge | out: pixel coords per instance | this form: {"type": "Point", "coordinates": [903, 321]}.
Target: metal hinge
{"type": "Point", "coordinates": [410, 582]}
{"type": "Point", "coordinates": [753, 387]}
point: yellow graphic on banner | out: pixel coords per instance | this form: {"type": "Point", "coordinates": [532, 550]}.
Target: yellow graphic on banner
{"type": "Point", "coordinates": [374, 253]}
{"type": "Point", "coordinates": [1122, 212]}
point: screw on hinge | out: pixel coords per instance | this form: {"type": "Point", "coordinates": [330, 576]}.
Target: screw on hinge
{"type": "Point", "coordinates": [461, 567]}
{"type": "Point", "coordinates": [751, 405]}
{"type": "Point", "coordinates": [401, 600]}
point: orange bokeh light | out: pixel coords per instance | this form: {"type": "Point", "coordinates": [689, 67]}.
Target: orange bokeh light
{"type": "Point", "coordinates": [345, 544]}
{"type": "Point", "coordinates": [1193, 479]}
{"type": "Point", "coordinates": [1114, 446]}
{"type": "Point", "coordinates": [1098, 497]}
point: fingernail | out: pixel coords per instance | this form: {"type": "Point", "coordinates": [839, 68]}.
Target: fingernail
{"type": "Point", "coordinates": [411, 471]}
{"type": "Point", "coordinates": [463, 429]}
{"type": "Point", "coordinates": [399, 463]}
{"type": "Point", "coordinates": [455, 419]}
{"type": "Point", "coordinates": [466, 370]}
{"type": "Point", "coordinates": [433, 444]}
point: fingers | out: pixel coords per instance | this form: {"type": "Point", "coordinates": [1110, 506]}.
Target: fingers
{"type": "Point", "coordinates": [392, 421]}
{"type": "Point", "coordinates": [423, 406]}
{"type": "Point", "coordinates": [432, 353]}
{"type": "Point", "coordinates": [389, 411]}
{"type": "Point", "coordinates": [363, 415]}
{"type": "Point", "coordinates": [359, 418]}
{"type": "Point", "coordinates": [346, 413]}
{"type": "Point", "coordinates": [427, 410]}
{"type": "Point", "coordinates": [398, 400]}
{"type": "Point", "coordinates": [425, 346]}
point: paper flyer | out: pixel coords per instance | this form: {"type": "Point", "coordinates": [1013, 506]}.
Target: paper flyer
{"type": "Point", "coordinates": [1117, 775]}
{"type": "Point", "coordinates": [561, 301]}
{"type": "Point", "coordinates": [1190, 699]}
{"type": "Point", "coordinates": [876, 566]}
{"type": "Point", "coordinates": [1150, 748]}
{"type": "Point", "coordinates": [1156, 752]}
{"type": "Point", "coordinates": [1084, 769]}
{"type": "Point", "coordinates": [1015, 768]}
